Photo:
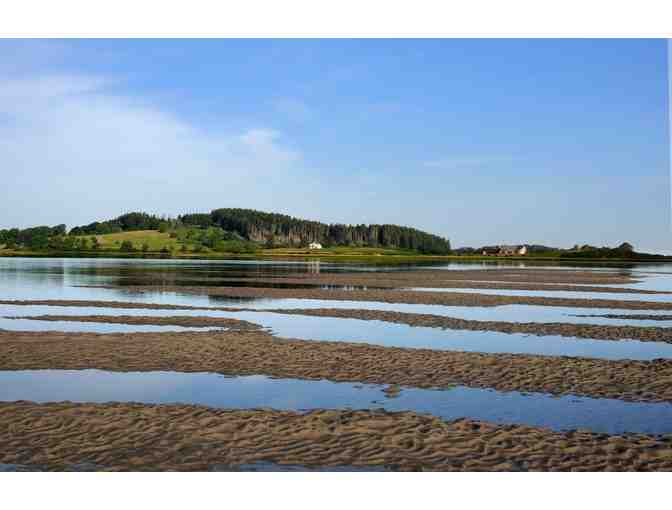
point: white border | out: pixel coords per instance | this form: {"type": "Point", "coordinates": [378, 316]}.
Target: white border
{"type": "Point", "coordinates": [346, 18]}
{"type": "Point", "coordinates": [343, 18]}
{"type": "Point", "coordinates": [337, 491]}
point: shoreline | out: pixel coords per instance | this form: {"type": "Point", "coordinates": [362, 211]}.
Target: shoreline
{"type": "Point", "coordinates": [568, 330]}
{"type": "Point", "coordinates": [392, 296]}
{"type": "Point", "coordinates": [138, 320]}
{"type": "Point", "coordinates": [136, 437]}
{"type": "Point", "coordinates": [258, 352]}
{"type": "Point", "coordinates": [144, 437]}
{"type": "Point", "coordinates": [570, 261]}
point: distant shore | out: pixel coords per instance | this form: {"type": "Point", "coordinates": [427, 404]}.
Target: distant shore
{"type": "Point", "coordinates": [309, 255]}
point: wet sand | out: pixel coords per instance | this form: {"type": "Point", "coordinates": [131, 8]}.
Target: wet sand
{"type": "Point", "coordinates": [632, 317]}
{"type": "Point", "coordinates": [134, 437]}
{"type": "Point", "coordinates": [401, 277]}
{"type": "Point", "coordinates": [258, 352]}
{"type": "Point", "coordinates": [184, 321]}
{"type": "Point", "coordinates": [593, 332]}
{"type": "Point", "coordinates": [381, 283]}
{"type": "Point", "coordinates": [510, 275]}
{"type": "Point", "coordinates": [101, 304]}
{"type": "Point", "coordinates": [395, 296]}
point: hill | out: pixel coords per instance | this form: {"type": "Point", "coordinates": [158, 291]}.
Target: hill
{"type": "Point", "coordinates": [222, 231]}
{"type": "Point", "coordinates": [273, 230]}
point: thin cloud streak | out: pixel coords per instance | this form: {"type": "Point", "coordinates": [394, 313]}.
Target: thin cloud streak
{"type": "Point", "coordinates": [100, 153]}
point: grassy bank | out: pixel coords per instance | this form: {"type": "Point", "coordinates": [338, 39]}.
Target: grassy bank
{"type": "Point", "coordinates": [156, 244]}
{"type": "Point", "coordinates": [326, 257]}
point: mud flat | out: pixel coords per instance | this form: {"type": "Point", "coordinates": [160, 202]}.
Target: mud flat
{"type": "Point", "coordinates": [258, 352]}
{"type": "Point", "coordinates": [633, 317]}
{"type": "Point", "coordinates": [513, 275]}
{"type": "Point", "coordinates": [99, 304]}
{"type": "Point", "coordinates": [399, 277]}
{"type": "Point", "coordinates": [185, 321]}
{"type": "Point", "coordinates": [139, 437]}
{"type": "Point", "coordinates": [380, 283]}
{"type": "Point", "coordinates": [595, 332]}
{"type": "Point", "coordinates": [569, 330]}
{"type": "Point", "coordinates": [396, 296]}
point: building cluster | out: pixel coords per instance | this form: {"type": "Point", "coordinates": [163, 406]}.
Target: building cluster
{"type": "Point", "coordinates": [505, 251]}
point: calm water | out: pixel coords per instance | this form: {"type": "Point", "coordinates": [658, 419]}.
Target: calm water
{"type": "Point", "coordinates": [350, 330]}
{"type": "Point", "coordinates": [251, 392]}
{"type": "Point", "coordinates": [59, 279]}
{"type": "Point", "coordinates": [25, 278]}
{"type": "Point", "coordinates": [621, 296]}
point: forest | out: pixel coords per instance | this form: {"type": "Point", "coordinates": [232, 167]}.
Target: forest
{"type": "Point", "coordinates": [124, 223]}
{"type": "Point", "coordinates": [241, 229]}
{"type": "Point", "coordinates": [279, 230]}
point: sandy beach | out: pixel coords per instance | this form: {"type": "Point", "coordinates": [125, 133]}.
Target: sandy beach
{"type": "Point", "coordinates": [128, 436]}
{"type": "Point", "coordinates": [393, 296]}
{"type": "Point", "coordinates": [594, 332]}
{"type": "Point", "coordinates": [384, 281]}
{"type": "Point", "coordinates": [122, 437]}
{"type": "Point", "coordinates": [258, 352]}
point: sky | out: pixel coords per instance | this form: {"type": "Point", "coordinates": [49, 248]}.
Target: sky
{"type": "Point", "coordinates": [484, 141]}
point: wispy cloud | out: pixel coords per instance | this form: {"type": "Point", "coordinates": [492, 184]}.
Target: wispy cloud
{"type": "Point", "coordinates": [71, 141]}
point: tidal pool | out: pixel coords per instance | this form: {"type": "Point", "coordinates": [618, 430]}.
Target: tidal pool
{"type": "Point", "coordinates": [250, 392]}
{"type": "Point", "coordinates": [49, 278]}
{"type": "Point", "coordinates": [573, 294]}
{"type": "Point", "coordinates": [350, 330]}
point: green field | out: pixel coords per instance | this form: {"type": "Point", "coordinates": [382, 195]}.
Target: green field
{"type": "Point", "coordinates": [156, 241]}
{"type": "Point", "coordinates": [183, 246]}
{"type": "Point", "coordinates": [153, 238]}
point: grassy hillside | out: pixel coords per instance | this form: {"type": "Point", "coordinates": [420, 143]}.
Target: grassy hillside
{"type": "Point", "coordinates": [153, 238]}
{"type": "Point", "coordinates": [157, 241]}
{"type": "Point", "coordinates": [263, 228]}
{"type": "Point", "coordinates": [182, 242]}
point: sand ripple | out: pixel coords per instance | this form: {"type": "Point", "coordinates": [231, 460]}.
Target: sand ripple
{"type": "Point", "coordinates": [161, 437]}
{"type": "Point", "coordinates": [258, 352]}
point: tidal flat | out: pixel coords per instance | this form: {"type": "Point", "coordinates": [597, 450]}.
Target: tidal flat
{"type": "Point", "coordinates": [138, 437]}
{"type": "Point", "coordinates": [576, 359]}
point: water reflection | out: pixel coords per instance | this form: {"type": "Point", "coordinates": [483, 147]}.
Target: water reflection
{"type": "Point", "coordinates": [560, 413]}
{"type": "Point", "coordinates": [351, 330]}
{"type": "Point", "coordinates": [574, 294]}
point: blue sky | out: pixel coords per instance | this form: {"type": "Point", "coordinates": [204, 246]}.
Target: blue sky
{"type": "Point", "coordinates": [481, 140]}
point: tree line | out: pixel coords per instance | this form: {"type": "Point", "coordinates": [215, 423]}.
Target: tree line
{"type": "Point", "coordinates": [34, 238]}
{"type": "Point", "coordinates": [125, 222]}
{"type": "Point", "coordinates": [275, 229]}
{"type": "Point", "coordinates": [230, 228]}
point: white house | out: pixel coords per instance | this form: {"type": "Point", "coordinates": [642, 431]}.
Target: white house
{"type": "Point", "coordinates": [505, 251]}
{"type": "Point", "coordinates": [314, 246]}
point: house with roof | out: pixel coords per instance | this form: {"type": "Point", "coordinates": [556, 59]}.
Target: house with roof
{"type": "Point", "coordinates": [505, 250]}
{"type": "Point", "coordinates": [511, 251]}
